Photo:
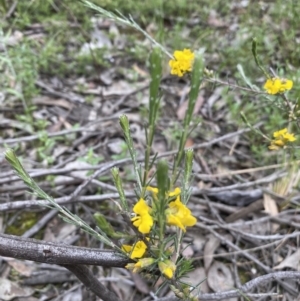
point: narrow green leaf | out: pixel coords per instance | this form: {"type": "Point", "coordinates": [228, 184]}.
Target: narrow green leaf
{"type": "Point", "coordinates": [155, 73]}
{"type": "Point", "coordinates": [162, 180]}
{"type": "Point", "coordinates": [197, 75]}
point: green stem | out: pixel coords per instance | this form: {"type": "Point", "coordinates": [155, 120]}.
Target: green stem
{"type": "Point", "coordinates": [154, 102]}
{"type": "Point", "coordinates": [196, 80]}
{"type": "Point", "coordinates": [255, 55]}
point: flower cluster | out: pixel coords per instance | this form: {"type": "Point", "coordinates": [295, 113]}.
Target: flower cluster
{"type": "Point", "coordinates": [182, 62]}
{"type": "Point", "coordinates": [281, 138]}
{"type": "Point", "coordinates": [167, 267]}
{"type": "Point", "coordinates": [175, 214]}
{"type": "Point", "coordinates": [278, 85]}
{"type": "Point", "coordinates": [138, 250]}
{"type": "Point", "coordinates": [178, 214]}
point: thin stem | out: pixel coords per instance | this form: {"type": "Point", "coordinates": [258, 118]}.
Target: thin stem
{"type": "Point", "coordinates": [66, 214]}
{"type": "Point", "coordinates": [197, 74]}
{"type": "Point", "coordinates": [126, 21]}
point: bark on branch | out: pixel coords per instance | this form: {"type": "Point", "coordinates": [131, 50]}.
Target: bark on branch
{"type": "Point", "coordinates": [70, 257]}
{"type": "Point", "coordinates": [245, 289]}
{"type": "Point", "coordinates": [91, 282]}
{"type": "Point", "coordinates": [47, 252]}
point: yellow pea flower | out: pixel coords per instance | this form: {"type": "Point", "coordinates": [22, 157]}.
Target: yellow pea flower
{"type": "Point", "coordinates": [167, 267]}
{"type": "Point", "coordinates": [140, 264]}
{"type": "Point", "coordinates": [178, 214]}
{"type": "Point", "coordinates": [277, 85]}
{"type": "Point", "coordinates": [143, 220]}
{"type": "Point", "coordinates": [132, 267]}
{"type": "Point", "coordinates": [154, 190]}
{"type": "Point", "coordinates": [175, 193]}
{"type": "Point", "coordinates": [182, 62]}
{"type": "Point", "coordinates": [135, 251]}
{"type": "Point", "coordinates": [281, 138]}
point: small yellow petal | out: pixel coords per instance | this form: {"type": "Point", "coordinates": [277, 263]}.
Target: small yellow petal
{"type": "Point", "coordinates": [145, 262]}
{"type": "Point", "coordinates": [141, 207]}
{"type": "Point", "coordinates": [154, 190]}
{"type": "Point", "coordinates": [172, 220]}
{"type": "Point", "coordinates": [167, 267]}
{"type": "Point", "coordinates": [135, 251]}
{"type": "Point", "coordinates": [139, 250]}
{"type": "Point", "coordinates": [126, 248]}
{"type": "Point", "coordinates": [175, 192]}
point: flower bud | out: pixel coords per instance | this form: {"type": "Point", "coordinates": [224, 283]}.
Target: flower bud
{"type": "Point", "coordinates": [167, 267]}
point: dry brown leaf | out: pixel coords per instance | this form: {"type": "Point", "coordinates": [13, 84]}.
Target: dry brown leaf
{"type": "Point", "coordinates": [48, 101]}
{"type": "Point", "coordinates": [73, 295]}
{"type": "Point", "coordinates": [140, 71]}
{"type": "Point", "coordinates": [10, 290]}
{"type": "Point", "coordinates": [195, 277]}
{"type": "Point", "coordinates": [270, 205]}
{"type": "Point", "coordinates": [65, 231]}
{"type": "Point", "coordinates": [140, 283]}
{"type": "Point", "coordinates": [30, 298]}
{"type": "Point", "coordinates": [272, 209]}
{"type": "Point", "coordinates": [99, 40]}
{"type": "Point", "coordinates": [199, 241]}
{"type": "Point", "coordinates": [181, 110]}
{"type": "Point", "coordinates": [159, 146]}
{"type": "Point", "coordinates": [1, 222]}
{"type": "Point", "coordinates": [189, 142]}
{"type": "Point", "coordinates": [209, 250]}
{"type": "Point", "coordinates": [12, 40]}
{"type": "Point", "coordinates": [121, 288]}
{"type": "Point", "coordinates": [220, 278]}
{"type": "Point", "coordinates": [215, 21]}
{"type": "Point", "coordinates": [188, 251]}
{"type": "Point", "coordinates": [204, 185]}
{"type": "Point", "coordinates": [20, 266]}
{"type": "Point", "coordinates": [116, 146]}
{"type": "Point", "coordinates": [119, 88]}
{"type": "Point", "coordinates": [292, 261]}
{"type": "Point", "coordinates": [183, 107]}
{"type": "Point", "coordinates": [216, 96]}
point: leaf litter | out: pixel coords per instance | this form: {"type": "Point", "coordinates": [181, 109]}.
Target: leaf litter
{"type": "Point", "coordinates": [92, 102]}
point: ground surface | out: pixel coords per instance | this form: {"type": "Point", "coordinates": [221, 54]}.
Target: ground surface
{"type": "Point", "coordinates": [66, 77]}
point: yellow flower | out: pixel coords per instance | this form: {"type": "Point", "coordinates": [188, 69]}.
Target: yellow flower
{"type": "Point", "coordinates": [132, 267]}
{"type": "Point", "coordinates": [167, 267]}
{"type": "Point", "coordinates": [140, 264]}
{"type": "Point", "coordinates": [175, 193]}
{"type": "Point", "coordinates": [154, 190]}
{"type": "Point", "coordinates": [281, 138]}
{"type": "Point", "coordinates": [178, 214]}
{"type": "Point", "coordinates": [182, 62]}
{"type": "Point", "coordinates": [143, 220]}
{"type": "Point", "coordinates": [278, 85]}
{"type": "Point", "coordinates": [135, 251]}
{"type": "Point", "coordinates": [145, 262]}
